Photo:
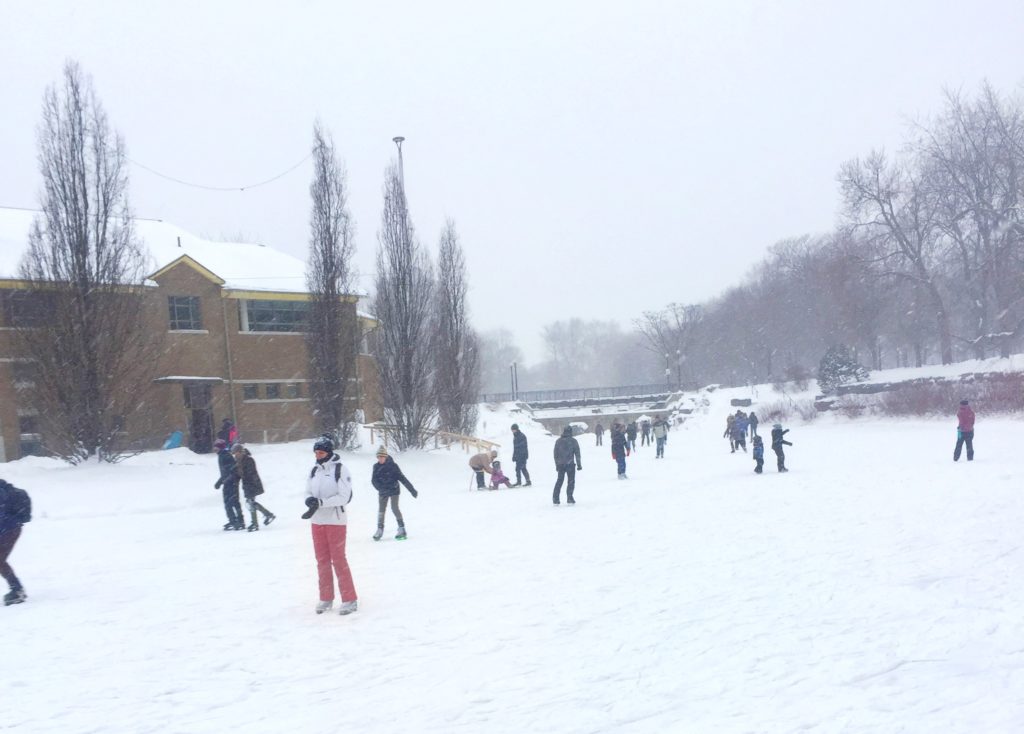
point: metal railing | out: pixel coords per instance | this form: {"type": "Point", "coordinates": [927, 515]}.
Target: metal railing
{"type": "Point", "coordinates": [585, 393]}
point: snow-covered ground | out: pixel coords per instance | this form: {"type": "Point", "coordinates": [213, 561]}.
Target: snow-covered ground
{"type": "Point", "coordinates": [874, 588]}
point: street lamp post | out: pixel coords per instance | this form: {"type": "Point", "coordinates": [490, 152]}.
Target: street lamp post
{"type": "Point", "coordinates": [668, 379]}
{"type": "Point", "coordinates": [398, 140]}
{"type": "Point", "coordinates": [679, 369]}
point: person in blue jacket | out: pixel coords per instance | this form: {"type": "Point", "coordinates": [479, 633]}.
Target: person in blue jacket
{"type": "Point", "coordinates": [758, 454]}
{"type": "Point", "coordinates": [387, 475]}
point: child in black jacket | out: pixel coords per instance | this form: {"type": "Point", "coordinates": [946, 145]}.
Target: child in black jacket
{"type": "Point", "coordinates": [387, 475]}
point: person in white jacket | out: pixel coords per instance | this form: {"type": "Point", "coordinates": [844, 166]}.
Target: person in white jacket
{"type": "Point", "coordinates": [328, 490]}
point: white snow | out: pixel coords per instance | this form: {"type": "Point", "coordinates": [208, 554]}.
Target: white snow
{"type": "Point", "coordinates": [242, 266]}
{"type": "Point", "coordinates": [874, 588]}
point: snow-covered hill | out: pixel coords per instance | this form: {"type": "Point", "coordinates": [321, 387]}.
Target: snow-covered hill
{"type": "Point", "coordinates": [874, 588]}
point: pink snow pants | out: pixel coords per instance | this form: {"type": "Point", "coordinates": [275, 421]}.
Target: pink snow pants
{"type": "Point", "coordinates": [329, 547]}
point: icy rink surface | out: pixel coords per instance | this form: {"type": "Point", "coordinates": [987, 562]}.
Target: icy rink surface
{"type": "Point", "coordinates": [877, 587]}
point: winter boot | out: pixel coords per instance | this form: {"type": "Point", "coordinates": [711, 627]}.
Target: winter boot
{"type": "Point", "coordinates": [14, 596]}
{"type": "Point", "coordinates": [229, 526]}
{"type": "Point", "coordinates": [400, 535]}
{"type": "Point", "coordinates": [324, 606]}
{"type": "Point", "coordinates": [380, 533]}
{"type": "Point", "coordinates": [254, 527]}
{"type": "Point", "coordinates": [269, 518]}
{"type": "Point", "coordinates": [347, 607]}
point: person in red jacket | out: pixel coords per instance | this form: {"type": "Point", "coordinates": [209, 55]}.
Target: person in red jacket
{"type": "Point", "coordinates": [964, 431]}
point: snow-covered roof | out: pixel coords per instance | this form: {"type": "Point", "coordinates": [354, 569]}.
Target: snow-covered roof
{"type": "Point", "coordinates": [242, 266]}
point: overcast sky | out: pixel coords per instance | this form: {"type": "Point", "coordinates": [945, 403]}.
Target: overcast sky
{"type": "Point", "coordinates": [599, 158]}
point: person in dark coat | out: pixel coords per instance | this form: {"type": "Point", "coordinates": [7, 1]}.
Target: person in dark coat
{"type": "Point", "coordinates": [520, 453]}
{"type": "Point", "coordinates": [964, 431]}
{"type": "Point", "coordinates": [387, 475]}
{"type": "Point", "coordinates": [599, 432]}
{"type": "Point", "coordinates": [631, 435]}
{"type": "Point", "coordinates": [753, 424]}
{"type": "Point", "coordinates": [228, 433]}
{"type": "Point", "coordinates": [620, 448]}
{"type": "Point", "coordinates": [645, 432]}
{"type": "Point", "coordinates": [777, 443]}
{"type": "Point", "coordinates": [252, 485]}
{"type": "Point", "coordinates": [567, 463]}
{"type": "Point", "coordinates": [15, 511]}
{"type": "Point", "coordinates": [228, 485]}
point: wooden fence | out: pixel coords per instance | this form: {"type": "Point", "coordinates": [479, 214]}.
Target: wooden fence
{"type": "Point", "coordinates": [381, 433]}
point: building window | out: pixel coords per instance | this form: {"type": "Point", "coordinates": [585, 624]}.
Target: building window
{"type": "Point", "coordinates": [23, 309]}
{"type": "Point", "coordinates": [184, 313]}
{"type": "Point", "coordinates": [31, 445]}
{"type": "Point", "coordinates": [24, 373]}
{"type": "Point", "coordinates": [273, 391]}
{"type": "Point", "coordinates": [276, 315]}
{"type": "Point", "coordinates": [250, 392]}
{"type": "Point", "coordinates": [293, 390]}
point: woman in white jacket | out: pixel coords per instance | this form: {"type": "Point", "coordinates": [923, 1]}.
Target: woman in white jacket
{"type": "Point", "coordinates": [328, 490]}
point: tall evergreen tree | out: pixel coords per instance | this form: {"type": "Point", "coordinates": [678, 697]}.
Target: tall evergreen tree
{"type": "Point", "coordinates": [456, 350]}
{"type": "Point", "coordinates": [404, 306]}
{"type": "Point", "coordinates": [83, 325]}
{"type": "Point", "coordinates": [333, 330]}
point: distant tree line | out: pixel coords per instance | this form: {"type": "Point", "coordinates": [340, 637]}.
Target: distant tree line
{"type": "Point", "coordinates": [927, 265]}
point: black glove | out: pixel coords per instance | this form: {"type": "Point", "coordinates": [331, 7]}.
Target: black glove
{"type": "Point", "coordinates": [579, 468]}
{"type": "Point", "coordinates": [218, 483]}
{"type": "Point", "coordinates": [313, 504]}
{"type": "Point", "coordinates": [413, 492]}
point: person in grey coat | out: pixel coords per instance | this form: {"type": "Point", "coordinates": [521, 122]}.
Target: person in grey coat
{"type": "Point", "coordinates": [567, 463]}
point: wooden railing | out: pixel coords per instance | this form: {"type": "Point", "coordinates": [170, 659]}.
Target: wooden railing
{"type": "Point", "coordinates": [381, 433]}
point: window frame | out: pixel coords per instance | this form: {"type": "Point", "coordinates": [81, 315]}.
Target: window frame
{"type": "Point", "coordinates": [193, 306]}
{"type": "Point", "coordinates": [283, 316]}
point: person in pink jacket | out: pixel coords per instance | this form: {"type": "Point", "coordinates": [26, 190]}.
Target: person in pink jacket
{"type": "Point", "coordinates": [498, 476]}
{"type": "Point", "coordinates": [328, 490]}
{"type": "Point", "coordinates": [964, 431]}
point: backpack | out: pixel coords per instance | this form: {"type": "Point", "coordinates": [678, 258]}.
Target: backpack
{"type": "Point", "coordinates": [19, 505]}
{"type": "Point", "coordinates": [337, 478]}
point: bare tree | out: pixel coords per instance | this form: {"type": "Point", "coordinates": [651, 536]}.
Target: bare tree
{"type": "Point", "coordinates": [457, 380]}
{"type": "Point", "coordinates": [84, 271]}
{"type": "Point", "coordinates": [333, 330]}
{"type": "Point", "coordinates": [405, 292]}
{"type": "Point", "coordinates": [898, 216]}
{"type": "Point", "coordinates": [671, 332]}
{"type": "Point", "coordinates": [974, 149]}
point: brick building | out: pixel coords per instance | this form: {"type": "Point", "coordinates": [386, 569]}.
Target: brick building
{"type": "Point", "coordinates": [235, 343]}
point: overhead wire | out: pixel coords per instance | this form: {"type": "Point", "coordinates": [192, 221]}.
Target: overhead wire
{"type": "Point", "coordinates": [221, 188]}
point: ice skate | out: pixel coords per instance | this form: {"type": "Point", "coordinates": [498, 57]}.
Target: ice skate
{"type": "Point", "coordinates": [347, 607]}
{"type": "Point", "coordinates": [324, 606]}
{"type": "Point", "coordinates": [14, 596]}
